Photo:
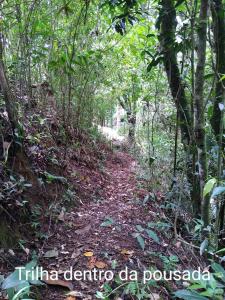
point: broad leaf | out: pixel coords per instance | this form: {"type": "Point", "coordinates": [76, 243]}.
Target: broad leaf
{"type": "Point", "coordinates": [141, 242]}
{"type": "Point", "coordinates": [152, 235]}
{"type": "Point", "coordinates": [219, 270]}
{"type": "Point", "coordinates": [217, 191]}
{"type": "Point", "coordinates": [189, 295]}
{"type": "Point", "coordinates": [204, 246]}
{"type": "Point", "coordinates": [209, 186]}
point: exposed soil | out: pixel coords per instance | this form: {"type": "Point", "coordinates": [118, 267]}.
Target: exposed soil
{"type": "Point", "coordinates": [105, 226]}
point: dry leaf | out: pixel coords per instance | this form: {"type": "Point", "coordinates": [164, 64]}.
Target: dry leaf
{"type": "Point", "coordinates": [61, 216]}
{"type": "Point", "coordinates": [178, 244]}
{"type": "Point", "coordinates": [27, 251]}
{"type": "Point", "coordinates": [51, 253]}
{"type": "Point", "coordinates": [83, 230]}
{"type": "Point", "coordinates": [88, 253]}
{"type": "Point", "coordinates": [75, 294]}
{"type": "Point", "coordinates": [11, 252]}
{"type": "Point", "coordinates": [91, 262]}
{"type": "Point", "coordinates": [100, 264]}
{"type": "Point", "coordinates": [59, 282]}
{"type": "Point", "coordinates": [155, 296]}
{"type": "Point", "coordinates": [127, 252]}
{"type": "Point", "coordinates": [76, 253]}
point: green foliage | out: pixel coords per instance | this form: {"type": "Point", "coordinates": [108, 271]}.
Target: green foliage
{"type": "Point", "coordinates": [108, 222]}
{"type": "Point", "coordinates": [144, 233]}
{"type": "Point", "coordinates": [209, 186]}
{"type": "Point", "coordinates": [205, 289]}
{"type": "Point", "coordinates": [18, 284]}
{"type": "Point", "coordinates": [52, 178]}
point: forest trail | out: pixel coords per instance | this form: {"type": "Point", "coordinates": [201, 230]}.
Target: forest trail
{"type": "Point", "coordinates": [102, 234]}
{"type": "Point", "coordinates": [104, 228]}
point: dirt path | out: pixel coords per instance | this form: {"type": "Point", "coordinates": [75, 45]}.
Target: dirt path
{"type": "Point", "coordinates": [100, 234]}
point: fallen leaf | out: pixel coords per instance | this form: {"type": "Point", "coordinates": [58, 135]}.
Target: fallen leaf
{"type": "Point", "coordinates": [127, 252]}
{"type": "Point", "coordinates": [73, 295]}
{"type": "Point", "coordinates": [76, 253]}
{"type": "Point", "coordinates": [51, 253]}
{"type": "Point", "coordinates": [91, 262]}
{"type": "Point", "coordinates": [88, 253]}
{"type": "Point", "coordinates": [178, 244]}
{"type": "Point", "coordinates": [61, 216]}
{"type": "Point", "coordinates": [100, 264]}
{"type": "Point", "coordinates": [59, 282]}
{"type": "Point", "coordinates": [155, 296]}
{"type": "Point", "coordinates": [11, 252]}
{"type": "Point", "coordinates": [83, 230]}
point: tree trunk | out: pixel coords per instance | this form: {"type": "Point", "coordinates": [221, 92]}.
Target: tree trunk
{"type": "Point", "coordinates": [167, 41]}
{"type": "Point", "coordinates": [219, 40]}
{"type": "Point", "coordinates": [8, 96]}
{"type": "Point", "coordinates": [131, 119]}
{"type": "Point", "coordinates": [199, 111]}
{"type": "Point", "coordinates": [217, 10]}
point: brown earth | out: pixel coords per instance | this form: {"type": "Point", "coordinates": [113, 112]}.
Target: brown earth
{"type": "Point", "coordinates": [99, 235]}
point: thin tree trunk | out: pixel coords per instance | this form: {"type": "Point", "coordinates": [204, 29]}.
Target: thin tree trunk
{"type": "Point", "coordinates": [131, 119]}
{"type": "Point", "coordinates": [8, 96]}
{"type": "Point", "coordinates": [199, 110]}
{"type": "Point", "coordinates": [167, 41]}
{"type": "Point", "coordinates": [217, 10]}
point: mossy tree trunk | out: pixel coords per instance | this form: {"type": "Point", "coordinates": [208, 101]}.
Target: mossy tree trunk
{"type": "Point", "coordinates": [199, 110]}
{"type": "Point", "coordinates": [167, 39]}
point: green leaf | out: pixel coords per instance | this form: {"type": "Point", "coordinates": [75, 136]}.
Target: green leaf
{"type": "Point", "coordinates": [153, 235]}
{"type": "Point", "coordinates": [140, 228]}
{"type": "Point", "coordinates": [107, 222]}
{"type": "Point", "coordinates": [217, 191]}
{"type": "Point", "coordinates": [196, 286]}
{"type": "Point", "coordinates": [100, 295]}
{"type": "Point", "coordinates": [220, 251]}
{"type": "Point", "coordinates": [141, 242]}
{"type": "Point", "coordinates": [51, 178]}
{"type": "Point", "coordinates": [222, 78]}
{"type": "Point", "coordinates": [20, 278]}
{"type": "Point", "coordinates": [209, 186]}
{"type": "Point", "coordinates": [13, 280]}
{"type": "Point", "coordinates": [1, 278]}
{"type": "Point", "coordinates": [204, 246]}
{"type": "Point", "coordinates": [209, 293]}
{"type": "Point", "coordinates": [21, 292]}
{"type": "Point", "coordinates": [189, 295]}
{"type": "Point", "coordinates": [219, 270]}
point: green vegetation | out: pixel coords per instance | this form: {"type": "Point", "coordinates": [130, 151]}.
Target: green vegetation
{"type": "Point", "coordinates": [148, 76]}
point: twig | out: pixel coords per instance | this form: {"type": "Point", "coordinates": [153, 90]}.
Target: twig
{"type": "Point", "coordinates": [198, 248]}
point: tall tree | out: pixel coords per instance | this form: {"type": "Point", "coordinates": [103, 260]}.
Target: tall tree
{"type": "Point", "coordinates": [217, 120]}
{"type": "Point", "coordinates": [199, 109]}
{"type": "Point", "coordinates": [8, 95]}
{"type": "Point", "coordinates": [168, 26]}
